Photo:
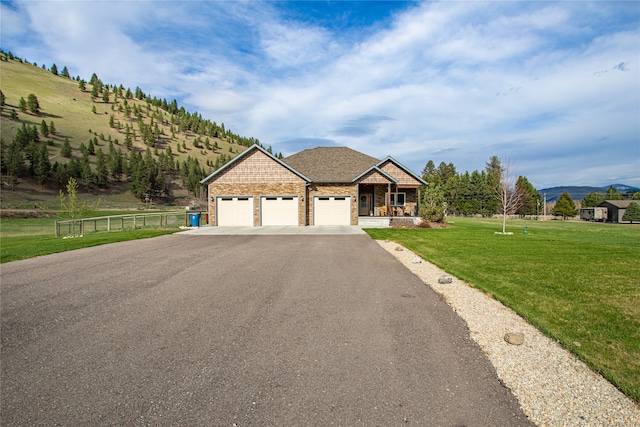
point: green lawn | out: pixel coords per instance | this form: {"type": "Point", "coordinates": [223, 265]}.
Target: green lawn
{"type": "Point", "coordinates": [577, 282]}
{"type": "Point", "coordinates": [28, 238]}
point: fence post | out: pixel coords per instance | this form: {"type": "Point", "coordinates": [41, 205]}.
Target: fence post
{"type": "Point", "coordinates": [134, 221]}
{"type": "Point", "coordinates": [108, 223]}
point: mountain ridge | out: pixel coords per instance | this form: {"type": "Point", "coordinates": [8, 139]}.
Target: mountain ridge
{"type": "Point", "coordinates": [579, 192]}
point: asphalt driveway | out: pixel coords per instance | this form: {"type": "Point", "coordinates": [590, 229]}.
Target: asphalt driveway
{"type": "Point", "coordinates": [237, 330]}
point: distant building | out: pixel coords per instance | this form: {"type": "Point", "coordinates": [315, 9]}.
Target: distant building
{"type": "Point", "coordinates": [616, 209]}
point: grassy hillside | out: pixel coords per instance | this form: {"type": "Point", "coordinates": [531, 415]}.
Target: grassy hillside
{"type": "Point", "coordinates": [79, 119]}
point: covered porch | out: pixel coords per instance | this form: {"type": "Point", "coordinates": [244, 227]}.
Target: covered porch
{"type": "Point", "coordinates": [387, 201]}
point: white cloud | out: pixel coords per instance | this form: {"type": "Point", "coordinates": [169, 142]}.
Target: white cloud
{"type": "Point", "coordinates": [459, 81]}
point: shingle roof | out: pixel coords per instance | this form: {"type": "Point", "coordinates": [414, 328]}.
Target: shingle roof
{"type": "Point", "coordinates": [331, 164]}
{"type": "Point", "coordinates": [622, 204]}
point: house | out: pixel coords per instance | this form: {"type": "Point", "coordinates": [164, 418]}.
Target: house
{"type": "Point", "coordinates": [615, 209]}
{"type": "Point", "coordinates": [318, 186]}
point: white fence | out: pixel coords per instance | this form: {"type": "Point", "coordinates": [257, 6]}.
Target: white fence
{"type": "Point", "coordinates": [123, 222]}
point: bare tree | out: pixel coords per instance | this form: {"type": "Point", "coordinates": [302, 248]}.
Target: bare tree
{"type": "Point", "coordinates": [509, 195]}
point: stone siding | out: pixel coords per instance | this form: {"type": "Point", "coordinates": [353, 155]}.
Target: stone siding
{"type": "Point", "coordinates": [333, 190]}
{"type": "Point", "coordinates": [255, 190]}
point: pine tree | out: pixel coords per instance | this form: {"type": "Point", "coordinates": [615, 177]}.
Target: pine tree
{"type": "Point", "coordinates": [565, 207]}
{"type": "Point", "coordinates": [44, 129]}
{"type": "Point", "coordinates": [82, 85]}
{"type": "Point", "coordinates": [102, 174]}
{"type": "Point", "coordinates": [52, 128]}
{"type": "Point", "coordinates": [54, 69]}
{"type": "Point", "coordinates": [33, 104]}
{"type": "Point", "coordinates": [593, 199]}
{"type": "Point", "coordinates": [613, 194]}
{"type": "Point", "coordinates": [632, 213]}
{"type": "Point", "coordinates": [86, 173]}
{"type": "Point", "coordinates": [65, 151]}
{"type": "Point", "coordinates": [91, 149]}
{"type": "Point", "coordinates": [43, 165]}
{"type": "Point", "coordinates": [65, 72]}
{"type": "Point", "coordinates": [22, 105]}
{"type": "Point", "coordinates": [14, 163]}
{"type": "Point", "coordinates": [531, 198]}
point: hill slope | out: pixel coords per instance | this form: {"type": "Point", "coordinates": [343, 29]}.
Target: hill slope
{"type": "Point", "coordinates": [152, 124]}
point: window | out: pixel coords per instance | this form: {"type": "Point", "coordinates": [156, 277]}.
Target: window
{"type": "Point", "coordinates": [398, 199]}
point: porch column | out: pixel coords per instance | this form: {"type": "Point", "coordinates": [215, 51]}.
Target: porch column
{"type": "Point", "coordinates": [387, 199]}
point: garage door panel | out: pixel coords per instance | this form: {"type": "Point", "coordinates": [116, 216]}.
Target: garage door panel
{"type": "Point", "coordinates": [280, 210]}
{"type": "Point", "coordinates": [332, 210]}
{"type": "Point", "coordinates": [235, 211]}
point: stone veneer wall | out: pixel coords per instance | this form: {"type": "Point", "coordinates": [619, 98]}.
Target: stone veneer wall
{"type": "Point", "coordinates": [257, 190]}
{"type": "Point", "coordinates": [333, 190]}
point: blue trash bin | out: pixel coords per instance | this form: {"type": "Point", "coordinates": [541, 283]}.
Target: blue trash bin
{"type": "Point", "coordinates": [194, 219]}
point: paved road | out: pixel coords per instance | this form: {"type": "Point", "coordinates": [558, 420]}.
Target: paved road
{"type": "Point", "coordinates": [237, 330]}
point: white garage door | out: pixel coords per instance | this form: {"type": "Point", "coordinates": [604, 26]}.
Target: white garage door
{"type": "Point", "coordinates": [332, 210]}
{"type": "Point", "coordinates": [279, 210]}
{"type": "Point", "coordinates": [235, 211]}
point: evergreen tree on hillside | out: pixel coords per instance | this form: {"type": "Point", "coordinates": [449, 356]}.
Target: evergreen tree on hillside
{"type": "Point", "coordinates": [22, 105]}
{"type": "Point", "coordinates": [44, 129]}
{"type": "Point", "coordinates": [54, 69]}
{"type": "Point", "coordinates": [43, 165]}
{"type": "Point", "coordinates": [82, 85]}
{"type": "Point", "coordinates": [65, 151]}
{"type": "Point", "coordinates": [632, 213]}
{"type": "Point", "coordinates": [565, 207]}
{"type": "Point", "coordinates": [102, 174]}
{"type": "Point", "coordinates": [65, 72]}
{"type": "Point", "coordinates": [14, 163]}
{"type": "Point", "coordinates": [52, 128]}
{"type": "Point", "coordinates": [33, 104]}
{"type": "Point", "coordinates": [88, 178]}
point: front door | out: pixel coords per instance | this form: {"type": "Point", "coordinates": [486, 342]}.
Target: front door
{"type": "Point", "coordinates": [364, 205]}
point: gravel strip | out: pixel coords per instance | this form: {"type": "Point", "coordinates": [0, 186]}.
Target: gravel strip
{"type": "Point", "coordinates": [552, 387]}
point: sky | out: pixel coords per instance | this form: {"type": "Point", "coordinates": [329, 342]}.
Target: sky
{"type": "Point", "coordinates": [551, 87]}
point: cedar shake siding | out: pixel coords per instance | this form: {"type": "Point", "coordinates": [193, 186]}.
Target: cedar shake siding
{"type": "Point", "coordinates": [257, 168]}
